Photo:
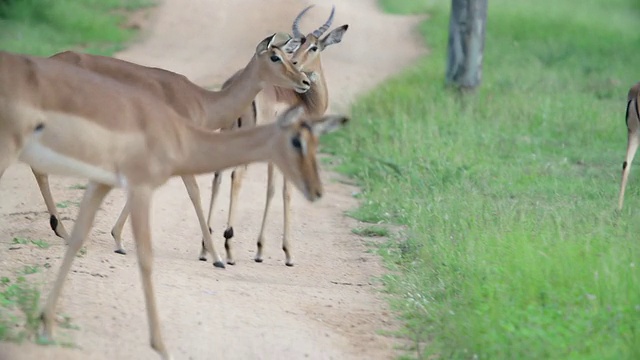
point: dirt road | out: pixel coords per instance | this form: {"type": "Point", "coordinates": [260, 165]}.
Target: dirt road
{"type": "Point", "coordinates": [328, 306]}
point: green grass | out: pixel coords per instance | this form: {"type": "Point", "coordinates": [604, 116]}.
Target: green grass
{"type": "Point", "coordinates": [512, 247]}
{"type": "Point", "coordinates": [44, 27]}
{"type": "Point", "coordinates": [19, 301]}
{"type": "Point", "coordinates": [78, 187]}
{"type": "Point", "coordinates": [20, 241]}
{"type": "Point", "coordinates": [371, 231]}
{"type": "Point", "coordinates": [42, 244]}
{"type": "Point", "coordinates": [66, 203]}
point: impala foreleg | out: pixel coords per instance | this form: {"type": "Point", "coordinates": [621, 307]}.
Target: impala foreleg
{"type": "Point", "coordinates": [54, 217]}
{"type": "Point", "coordinates": [91, 201]}
{"type": "Point", "coordinates": [267, 204]}
{"type": "Point", "coordinates": [236, 182]}
{"type": "Point", "coordinates": [215, 188]}
{"type": "Point", "coordinates": [8, 153]}
{"type": "Point", "coordinates": [286, 202]}
{"type": "Point", "coordinates": [194, 194]}
{"type": "Point", "coordinates": [140, 201]}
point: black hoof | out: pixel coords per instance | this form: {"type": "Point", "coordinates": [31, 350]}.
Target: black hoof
{"type": "Point", "coordinates": [228, 234]}
{"type": "Point", "coordinates": [53, 222]}
{"type": "Point", "coordinates": [202, 258]}
{"type": "Point", "coordinates": [289, 264]}
{"type": "Point", "coordinates": [258, 260]}
{"type": "Point", "coordinates": [219, 264]}
{"type": "Point", "coordinates": [231, 262]}
{"type": "Point", "coordinates": [120, 251]}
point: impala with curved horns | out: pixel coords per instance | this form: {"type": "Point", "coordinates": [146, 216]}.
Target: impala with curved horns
{"type": "Point", "coordinates": [315, 102]}
{"type": "Point", "coordinates": [210, 109]}
{"type": "Point", "coordinates": [63, 120]}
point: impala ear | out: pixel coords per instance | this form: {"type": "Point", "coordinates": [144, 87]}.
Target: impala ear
{"type": "Point", "coordinates": [264, 45]}
{"type": "Point", "coordinates": [327, 124]}
{"type": "Point", "coordinates": [290, 116]}
{"type": "Point", "coordinates": [277, 39]}
{"type": "Point", "coordinates": [333, 37]}
{"type": "Point", "coordinates": [280, 39]}
{"type": "Point", "coordinates": [291, 45]}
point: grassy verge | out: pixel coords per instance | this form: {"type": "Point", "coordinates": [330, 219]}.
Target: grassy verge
{"type": "Point", "coordinates": [512, 248]}
{"type": "Point", "coordinates": [44, 27]}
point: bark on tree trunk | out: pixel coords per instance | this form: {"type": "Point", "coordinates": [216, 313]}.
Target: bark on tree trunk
{"type": "Point", "coordinates": [466, 43]}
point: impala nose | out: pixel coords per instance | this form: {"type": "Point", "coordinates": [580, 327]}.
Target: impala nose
{"type": "Point", "coordinates": [306, 82]}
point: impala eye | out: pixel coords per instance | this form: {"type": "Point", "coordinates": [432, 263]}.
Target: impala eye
{"type": "Point", "coordinates": [313, 48]}
{"type": "Point", "coordinates": [295, 142]}
{"type": "Point", "coordinates": [275, 58]}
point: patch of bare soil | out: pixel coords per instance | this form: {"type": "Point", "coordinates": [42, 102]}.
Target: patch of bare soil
{"type": "Point", "coordinates": [328, 306]}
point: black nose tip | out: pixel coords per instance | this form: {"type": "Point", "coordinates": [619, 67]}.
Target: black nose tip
{"type": "Point", "coordinates": [306, 82]}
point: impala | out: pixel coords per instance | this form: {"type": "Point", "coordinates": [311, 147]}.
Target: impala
{"type": "Point", "coordinates": [315, 102]}
{"type": "Point", "coordinates": [210, 109]}
{"type": "Point", "coordinates": [63, 120]}
{"type": "Point", "coordinates": [633, 137]}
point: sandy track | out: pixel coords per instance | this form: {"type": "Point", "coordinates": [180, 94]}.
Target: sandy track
{"type": "Point", "coordinates": [326, 307]}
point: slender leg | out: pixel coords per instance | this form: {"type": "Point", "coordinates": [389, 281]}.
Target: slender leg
{"type": "Point", "coordinates": [116, 231]}
{"type": "Point", "coordinates": [286, 201]}
{"type": "Point", "coordinates": [267, 204]}
{"type": "Point", "coordinates": [54, 217]}
{"type": "Point", "coordinates": [140, 199]}
{"type": "Point", "coordinates": [7, 154]}
{"type": "Point", "coordinates": [215, 187]}
{"type": "Point", "coordinates": [632, 147]}
{"type": "Point", "coordinates": [194, 194]}
{"type": "Point", "coordinates": [236, 182]}
{"type": "Point", "coordinates": [91, 201]}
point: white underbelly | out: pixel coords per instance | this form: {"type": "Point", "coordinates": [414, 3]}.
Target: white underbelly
{"type": "Point", "coordinates": [48, 161]}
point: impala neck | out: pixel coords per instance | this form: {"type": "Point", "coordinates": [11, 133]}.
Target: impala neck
{"type": "Point", "coordinates": [225, 106]}
{"type": "Point", "coordinates": [316, 100]}
{"type": "Point", "coordinates": [207, 151]}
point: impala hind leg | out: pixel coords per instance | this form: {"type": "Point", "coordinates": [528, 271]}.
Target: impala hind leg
{"type": "Point", "coordinates": [236, 182]}
{"type": "Point", "coordinates": [194, 194]}
{"type": "Point", "coordinates": [633, 140]}
{"type": "Point", "coordinates": [140, 202]}
{"type": "Point", "coordinates": [215, 188]}
{"type": "Point", "coordinates": [91, 201]}
{"type": "Point", "coordinates": [286, 231]}
{"type": "Point", "coordinates": [267, 204]}
{"type": "Point", "coordinates": [54, 217]}
{"type": "Point", "coordinates": [632, 147]}
{"type": "Point", "coordinates": [116, 231]}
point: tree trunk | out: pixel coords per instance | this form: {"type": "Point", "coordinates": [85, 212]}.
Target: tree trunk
{"type": "Point", "coordinates": [466, 43]}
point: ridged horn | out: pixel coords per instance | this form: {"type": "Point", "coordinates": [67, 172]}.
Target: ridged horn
{"type": "Point", "coordinates": [317, 33]}
{"type": "Point", "coordinates": [295, 27]}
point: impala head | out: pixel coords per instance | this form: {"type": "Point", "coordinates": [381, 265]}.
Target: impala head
{"type": "Point", "coordinates": [313, 43]}
{"type": "Point", "coordinates": [297, 146]}
{"type": "Point", "coordinates": [276, 66]}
